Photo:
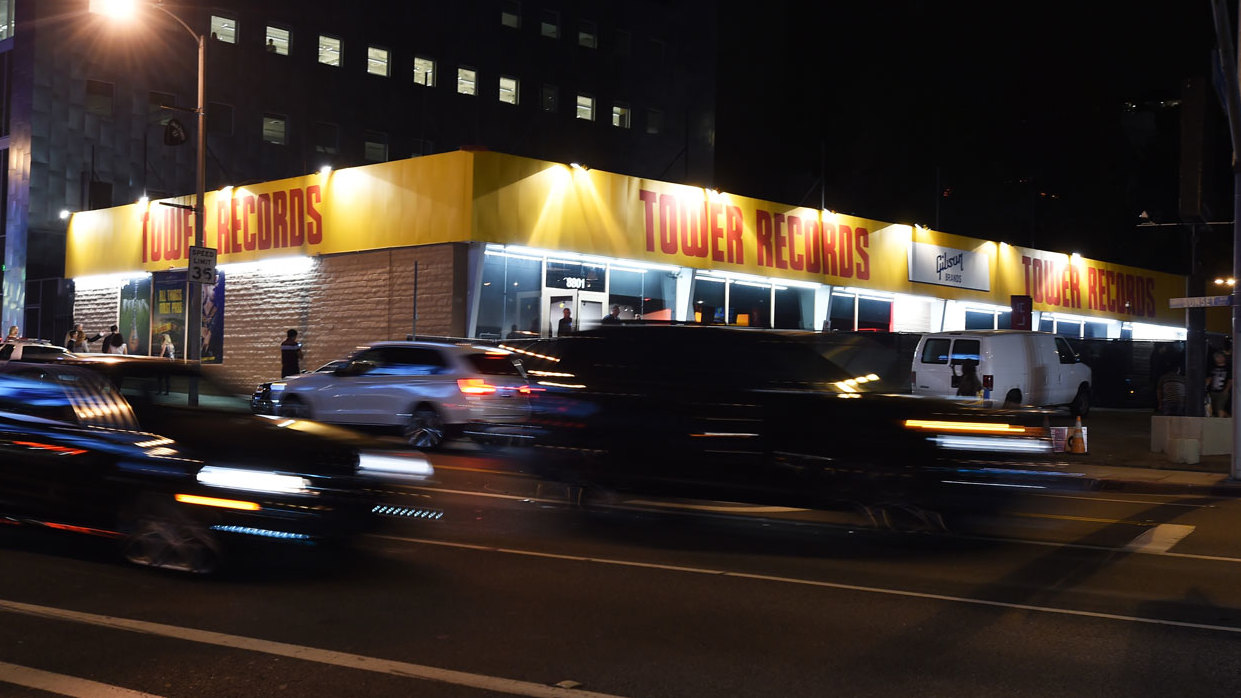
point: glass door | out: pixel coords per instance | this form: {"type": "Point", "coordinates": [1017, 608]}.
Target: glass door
{"type": "Point", "coordinates": [585, 309]}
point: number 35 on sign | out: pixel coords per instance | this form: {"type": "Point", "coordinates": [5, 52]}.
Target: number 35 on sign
{"type": "Point", "coordinates": [202, 265]}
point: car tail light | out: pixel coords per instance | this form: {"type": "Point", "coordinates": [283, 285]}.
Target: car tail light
{"type": "Point", "coordinates": [988, 382]}
{"type": "Point", "coordinates": [475, 386]}
{"type": "Point", "coordinates": [527, 390]}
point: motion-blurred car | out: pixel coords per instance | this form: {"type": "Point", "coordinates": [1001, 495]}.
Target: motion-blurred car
{"type": "Point", "coordinates": [266, 397]}
{"type": "Point", "coordinates": [754, 416]}
{"type": "Point", "coordinates": [431, 391]}
{"type": "Point", "coordinates": [110, 446]}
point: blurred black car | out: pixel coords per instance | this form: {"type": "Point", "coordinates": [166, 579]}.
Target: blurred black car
{"type": "Point", "coordinates": [115, 447]}
{"type": "Point", "coordinates": [757, 416]}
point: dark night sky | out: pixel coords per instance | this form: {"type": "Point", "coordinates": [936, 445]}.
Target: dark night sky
{"type": "Point", "coordinates": [1016, 110]}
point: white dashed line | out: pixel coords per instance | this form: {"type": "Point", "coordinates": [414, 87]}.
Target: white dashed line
{"type": "Point", "coordinates": [1159, 539]}
{"type": "Point", "coordinates": [64, 685]}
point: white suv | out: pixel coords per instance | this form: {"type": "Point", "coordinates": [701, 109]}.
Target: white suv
{"type": "Point", "coordinates": [31, 350]}
{"type": "Point", "coordinates": [431, 390]}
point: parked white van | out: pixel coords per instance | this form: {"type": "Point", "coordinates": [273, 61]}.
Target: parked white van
{"type": "Point", "coordinates": [1016, 368]}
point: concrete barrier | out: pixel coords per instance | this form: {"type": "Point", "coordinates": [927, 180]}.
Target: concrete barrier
{"type": "Point", "coordinates": [1210, 436]}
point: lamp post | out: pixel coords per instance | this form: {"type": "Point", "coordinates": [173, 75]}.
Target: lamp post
{"type": "Point", "coordinates": [124, 8]}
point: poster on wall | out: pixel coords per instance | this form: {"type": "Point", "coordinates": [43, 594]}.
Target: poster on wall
{"type": "Point", "coordinates": [213, 320]}
{"type": "Point", "coordinates": [135, 315]}
{"type": "Point", "coordinates": [168, 310]}
{"type": "Point", "coordinates": [169, 314]}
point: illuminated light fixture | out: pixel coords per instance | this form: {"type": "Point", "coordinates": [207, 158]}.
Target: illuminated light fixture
{"type": "Point", "coordinates": [1226, 282]}
{"type": "Point", "coordinates": [578, 166]}
{"type": "Point", "coordinates": [216, 502]}
{"type": "Point", "coordinates": [144, 201]}
{"type": "Point", "coordinates": [116, 9]}
{"type": "Point", "coordinates": [260, 532]}
{"type": "Point", "coordinates": [102, 281]}
{"type": "Point", "coordinates": [64, 214]}
{"type": "Point", "coordinates": [278, 266]}
{"type": "Point", "coordinates": [713, 193]}
{"type": "Point", "coordinates": [561, 385]}
{"type": "Point", "coordinates": [971, 427]}
{"type": "Point", "coordinates": [325, 170]}
{"type": "Point", "coordinates": [253, 480]}
{"type": "Point", "coordinates": [983, 443]}
{"type": "Point", "coordinates": [62, 450]}
{"type": "Point", "coordinates": [410, 464]}
{"type": "Point", "coordinates": [475, 386]}
{"type": "Point", "coordinates": [530, 353]}
{"type": "Point", "coordinates": [844, 387]}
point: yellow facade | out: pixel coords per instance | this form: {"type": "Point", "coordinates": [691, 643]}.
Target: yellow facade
{"type": "Point", "coordinates": [492, 197]}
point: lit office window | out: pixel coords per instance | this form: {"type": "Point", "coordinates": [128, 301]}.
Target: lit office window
{"type": "Point", "coordinates": [278, 41]}
{"type": "Point", "coordinates": [510, 16]}
{"type": "Point", "coordinates": [224, 29]}
{"type": "Point", "coordinates": [98, 98]}
{"type": "Point", "coordinates": [586, 107]}
{"type": "Point", "coordinates": [424, 71]}
{"type": "Point", "coordinates": [620, 116]}
{"type": "Point", "coordinates": [377, 61]}
{"type": "Point", "coordinates": [275, 129]}
{"type": "Point", "coordinates": [551, 98]}
{"type": "Point", "coordinates": [654, 121]}
{"type": "Point", "coordinates": [467, 81]}
{"type": "Point", "coordinates": [508, 90]}
{"type": "Point", "coordinates": [375, 146]}
{"type": "Point", "coordinates": [329, 50]}
{"type": "Point", "coordinates": [587, 35]}
{"type": "Point", "coordinates": [549, 26]}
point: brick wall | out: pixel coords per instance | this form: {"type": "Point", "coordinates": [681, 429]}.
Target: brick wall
{"type": "Point", "coordinates": [97, 309]}
{"type": "Point", "coordinates": [340, 302]}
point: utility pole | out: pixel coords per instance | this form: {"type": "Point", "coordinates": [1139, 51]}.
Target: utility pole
{"type": "Point", "coordinates": [1228, 64]}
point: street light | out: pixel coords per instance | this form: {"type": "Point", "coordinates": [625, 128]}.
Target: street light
{"type": "Point", "coordinates": [124, 9]}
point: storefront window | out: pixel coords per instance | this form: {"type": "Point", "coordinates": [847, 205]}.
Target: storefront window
{"type": "Point", "coordinates": [794, 308]}
{"type": "Point", "coordinates": [709, 300]}
{"type": "Point", "coordinates": [1095, 329]}
{"type": "Point", "coordinates": [841, 316]}
{"type": "Point", "coordinates": [1068, 329]}
{"type": "Point", "coordinates": [749, 304]}
{"type": "Point", "coordinates": [979, 320]}
{"type": "Point", "coordinates": [575, 276]}
{"type": "Point", "coordinates": [1004, 320]}
{"type": "Point", "coordinates": [642, 293]}
{"type": "Point", "coordinates": [508, 304]}
{"type": "Point", "coordinates": [1046, 323]}
{"type": "Point", "coordinates": [874, 314]}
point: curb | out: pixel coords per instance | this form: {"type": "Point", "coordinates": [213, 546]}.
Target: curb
{"type": "Point", "coordinates": [1222, 488]}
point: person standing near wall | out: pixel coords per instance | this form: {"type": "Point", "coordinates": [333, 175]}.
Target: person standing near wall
{"type": "Point", "coordinates": [290, 355]}
{"type": "Point", "coordinates": [565, 328]}
{"type": "Point", "coordinates": [1219, 385]}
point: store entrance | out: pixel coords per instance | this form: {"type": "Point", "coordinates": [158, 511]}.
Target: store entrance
{"type": "Point", "coordinates": [586, 308]}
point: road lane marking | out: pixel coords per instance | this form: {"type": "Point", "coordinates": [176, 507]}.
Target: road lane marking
{"type": "Point", "coordinates": [61, 684]}
{"type": "Point", "coordinates": [1159, 539]}
{"type": "Point", "coordinates": [1131, 501]}
{"type": "Point", "coordinates": [1086, 519]}
{"type": "Point", "coordinates": [309, 654]}
{"type": "Point", "coordinates": [819, 583]}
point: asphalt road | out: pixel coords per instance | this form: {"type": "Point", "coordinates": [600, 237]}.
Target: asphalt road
{"type": "Point", "coordinates": [519, 587]}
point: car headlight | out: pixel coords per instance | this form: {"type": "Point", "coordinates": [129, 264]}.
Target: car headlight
{"type": "Point", "coordinates": [253, 480]}
{"type": "Point", "coordinates": [412, 465]}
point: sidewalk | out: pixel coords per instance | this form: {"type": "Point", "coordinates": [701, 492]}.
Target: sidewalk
{"type": "Point", "coordinates": [1119, 458]}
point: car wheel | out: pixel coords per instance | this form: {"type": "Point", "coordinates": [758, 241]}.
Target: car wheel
{"type": "Point", "coordinates": [160, 534]}
{"type": "Point", "coordinates": [425, 429]}
{"type": "Point", "coordinates": [1080, 407]}
{"type": "Point", "coordinates": [294, 407]}
{"type": "Point", "coordinates": [1013, 398]}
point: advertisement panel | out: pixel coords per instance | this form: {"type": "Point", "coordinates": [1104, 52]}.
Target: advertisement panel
{"type": "Point", "coordinates": [168, 311]}
{"type": "Point", "coordinates": [135, 315]}
{"type": "Point", "coordinates": [948, 266]}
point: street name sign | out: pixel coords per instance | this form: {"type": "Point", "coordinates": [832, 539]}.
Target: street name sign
{"type": "Point", "coordinates": [1200, 302]}
{"type": "Point", "coordinates": [202, 265]}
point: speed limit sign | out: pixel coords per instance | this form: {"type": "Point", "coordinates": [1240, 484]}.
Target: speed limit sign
{"type": "Point", "coordinates": [202, 265]}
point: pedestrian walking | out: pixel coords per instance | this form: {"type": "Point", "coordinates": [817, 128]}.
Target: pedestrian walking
{"type": "Point", "coordinates": [565, 328]}
{"type": "Point", "coordinates": [290, 355]}
{"type": "Point", "coordinates": [969, 385]}
{"type": "Point", "coordinates": [77, 341]}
